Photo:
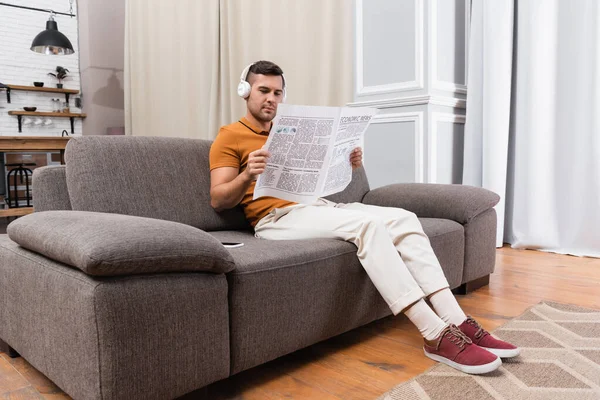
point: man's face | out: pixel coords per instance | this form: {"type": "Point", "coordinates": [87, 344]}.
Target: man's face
{"type": "Point", "coordinates": [266, 94]}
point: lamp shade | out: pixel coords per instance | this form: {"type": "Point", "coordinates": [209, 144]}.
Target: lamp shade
{"type": "Point", "coordinates": [51, 41]}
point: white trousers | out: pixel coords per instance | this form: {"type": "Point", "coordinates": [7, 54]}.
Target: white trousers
{"type": "Point", "coordinates": [392, 247]}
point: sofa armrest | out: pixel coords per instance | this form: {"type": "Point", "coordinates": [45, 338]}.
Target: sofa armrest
{"type": "Point", "coordinates": [50, 188]}
{"type": "Point", "coordinates": [459, 203]}
{"type": "Point", "coordinates": [102, 244]}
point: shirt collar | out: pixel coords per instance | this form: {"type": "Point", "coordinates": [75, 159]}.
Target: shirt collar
{"type": "Point", "coordinates": [253, 128]}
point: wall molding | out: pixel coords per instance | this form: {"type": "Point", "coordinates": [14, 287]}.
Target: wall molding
{"type": "Point", "coordinates": [449, 102]}
{"type": "Point", "coordinates": [433, 53]}
{"type": "Point", "coordinates": [434, 118]}
{"type": "Point", "coordinates": [417, 118]}
{"type": "Point", "coordinates": [412, 101]}
{"type": "Point", "coordinates": [417, 83]}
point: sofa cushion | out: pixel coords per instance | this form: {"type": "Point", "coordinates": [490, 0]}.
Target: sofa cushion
{"type": "Point", "coordinates": [285, 295]}
{"type": "Point", "coordinates": [110, 244]}
{"type": "Point", "coordinates": [154, 177]}
{"type": "Point", "coordinates": [290, 294]}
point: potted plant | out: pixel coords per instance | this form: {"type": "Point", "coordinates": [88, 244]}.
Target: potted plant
{"type": "Point", "coordinates": [61, 73]}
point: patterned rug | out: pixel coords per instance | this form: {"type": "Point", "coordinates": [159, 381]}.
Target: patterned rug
{"type": "Point", "coordinates": [560, 360]}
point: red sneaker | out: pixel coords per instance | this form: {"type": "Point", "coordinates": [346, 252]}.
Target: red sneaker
{"type": "Point", "coordinates": [483, 339]}
{"type": "Point", "coordinates": [456, 350]}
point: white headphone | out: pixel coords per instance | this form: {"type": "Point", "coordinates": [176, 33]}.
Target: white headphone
{"type": "Point", "coordinates": [244, 88]}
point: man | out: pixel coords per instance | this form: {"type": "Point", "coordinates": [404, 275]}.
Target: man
{"type": "Point", "coordinates": [381, 234]}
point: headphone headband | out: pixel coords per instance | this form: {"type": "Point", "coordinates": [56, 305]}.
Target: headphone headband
{"type": "Point", "coordinates": [244, 87]}
{"type": "Point", "coordinates": [245, 72]}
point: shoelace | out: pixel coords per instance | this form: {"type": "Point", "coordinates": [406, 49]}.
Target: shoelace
{"type": "Point", "coordinates": [456, 336]}
{"type": "Point", "coordinates": [480, 331]}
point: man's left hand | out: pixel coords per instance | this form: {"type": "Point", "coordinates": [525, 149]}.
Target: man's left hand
{"type": "Point", "coordinates": [356, 158]}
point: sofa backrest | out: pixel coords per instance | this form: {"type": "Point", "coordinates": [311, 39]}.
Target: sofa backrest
{"type": "Point", "coordinates": [154, 177]}
{"type": "Point", "coordinates": [355, 191]}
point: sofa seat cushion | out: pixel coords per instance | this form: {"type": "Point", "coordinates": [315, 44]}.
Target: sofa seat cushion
{"type": "Point", "coordinates": [257, 255]}
{"type": "Point", "coordinates": [286, 295]}
{"type": "Point", "coordinates": [289, 294]}
{"type": "Point", "coordinates": [103, 244]}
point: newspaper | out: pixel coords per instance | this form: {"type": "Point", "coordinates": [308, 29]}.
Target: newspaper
{"type": "Point", "coordinates": [310, 151]}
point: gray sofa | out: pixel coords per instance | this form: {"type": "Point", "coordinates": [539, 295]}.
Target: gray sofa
{"type": "Point", "coordinates": [118, 287]}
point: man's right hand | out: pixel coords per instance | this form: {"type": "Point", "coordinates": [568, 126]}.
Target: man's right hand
{"type": "Point", "coordinates": [228, 186]}
{"type": "Point", "coordinates": [257, 162]}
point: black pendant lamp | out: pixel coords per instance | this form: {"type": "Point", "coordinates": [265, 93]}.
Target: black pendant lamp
{"type": "Point", "coordinates": [51, 40]}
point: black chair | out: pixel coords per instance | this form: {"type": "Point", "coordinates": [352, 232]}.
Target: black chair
{"type": "Point", "coordinates": [23, 174]}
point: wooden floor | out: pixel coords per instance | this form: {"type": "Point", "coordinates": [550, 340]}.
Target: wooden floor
{"type": "Point", "coordinates": [366, 362]}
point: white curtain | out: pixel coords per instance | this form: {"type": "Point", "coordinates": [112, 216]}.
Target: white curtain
{"type": "Point", "coordinates": [171, 67]}
{"type": "Point", "coordinates": [184, 59]}
{"type": "Point", "coordinates": [533, 127]}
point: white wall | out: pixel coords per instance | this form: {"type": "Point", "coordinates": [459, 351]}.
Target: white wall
{"type": "Point", "coordinates": [102, 40]}
{"type": "Point", "coordinates": [21, 66]}
{"type": "Point", "coordinates": [411, 64]}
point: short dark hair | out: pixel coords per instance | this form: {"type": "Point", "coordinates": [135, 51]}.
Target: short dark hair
{"type": "Point", "coordinates": [266, 68]}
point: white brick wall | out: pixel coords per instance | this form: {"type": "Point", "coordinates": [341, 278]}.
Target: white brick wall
{"type": "Point", "coordinates": [21, 66]}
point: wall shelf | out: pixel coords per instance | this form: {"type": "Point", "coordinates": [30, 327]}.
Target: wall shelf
{"type": "Point", "coordinates": [71, 116]}
{"type": "Point", "coordinates": [66, 92]}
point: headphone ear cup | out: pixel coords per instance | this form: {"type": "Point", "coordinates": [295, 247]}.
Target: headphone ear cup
{"type": "Point", "coordinates": [244, 89]}
{"type": "Point", "coordinates": [284, 95]}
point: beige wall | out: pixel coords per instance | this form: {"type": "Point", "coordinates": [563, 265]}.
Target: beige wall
{"type": "Point", "coordinates": [101, 44]}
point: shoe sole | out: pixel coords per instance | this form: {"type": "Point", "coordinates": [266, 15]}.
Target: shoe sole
{"type": "Point", "coordinates": [504, 353]}
{"type": "Point", "coordinates": [467, 369]}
